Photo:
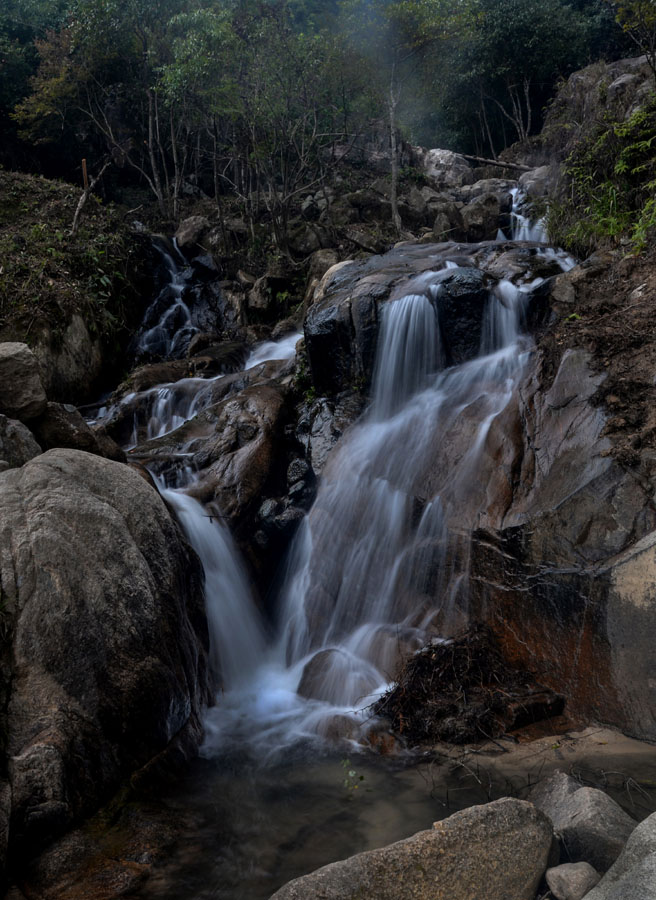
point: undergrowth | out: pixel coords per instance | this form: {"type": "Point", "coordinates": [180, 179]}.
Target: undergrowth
{"type": "Point", "coordinates": [612, 179]}
{"type": "Point", "coordinates": [45, 275]}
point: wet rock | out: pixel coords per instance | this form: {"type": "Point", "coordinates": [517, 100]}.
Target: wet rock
{"type": "Point", "coordinates": [234, 447]}
{"type": "Point", "coordinates": [297, 470]}
{"type": "Point", "coordinates": [321, 425]}
{"type": "Point", "coordinates": [567, 530]}
{"type": "Point", "coordinates": [153, 374]}
{"type": "Point", "coordinates": [461, 298]}
{"type": "Point", "coordinates": [330, 676]}
{"type": "Point", "coordinates": [108, 637]}
{"type": "Point", "coordinates": [590, 826]}
{"type": "Point", "coordinates": [17, 444]}
{"type": "Point", "coordinates": [572, 881]}
{"type": "Point", "coordinates": [61, 425]}
{"type": "Point", "coordinates": [22, 395]}
{"type": "Point", "coordinates": [190, 231]}
{"type": "Point", "coordinates": [498, 850]}
{"type": "Point", "coordinates": [633, 875]}
{"type": "Point", "coordinates": [217, 358]}
{"type": "Point", "coordinates": [204, 266]}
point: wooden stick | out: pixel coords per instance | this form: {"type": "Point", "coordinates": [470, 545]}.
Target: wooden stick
{"type": "Point", "coordinates": [496, 162]}
{"type": "Point", "coordinates": [85, 177]}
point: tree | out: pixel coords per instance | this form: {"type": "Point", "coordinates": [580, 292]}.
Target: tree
{"type": "Point", "coordinates": [395, 35]}
{"type": "Point", "coordinates": [638, 20]}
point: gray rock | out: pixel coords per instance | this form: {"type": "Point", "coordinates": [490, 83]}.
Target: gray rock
{"type": "Point", "coordinates": [103, 601]}
{"type": "Point", "coordinates": [444, 167]}
{"type": "Point", "coordinates": [552, 794]}
{"type": "Point", "coordinates": [22, 395]}
{"type": "Point", "coordinates": [498, 850]}
{"type": "Point", "coordinates": [482, 217]}
{"type": "Point", "coordinates": [633, 875]}
{"type": "Point", "coordinates": [540, 182]}
{"type": "Point", "coordinates": [591, 827]}
{"type": "Point", "coordinates": [17, 443]}
{"type": "Point", "coordinates": [572, 881]}
{"type": "Point", "coordinates": [191, 230]}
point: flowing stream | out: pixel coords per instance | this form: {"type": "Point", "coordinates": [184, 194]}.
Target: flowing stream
{"type": "Point", "coordinates": [377, 568]}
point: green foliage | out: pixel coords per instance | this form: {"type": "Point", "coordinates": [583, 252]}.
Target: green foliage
{"type": "Point", "coordinates": [612, 177]}
{"type": "Point", "coordinates": [352, 778]}
{"type": "Point", "coordinates": [638, 20]}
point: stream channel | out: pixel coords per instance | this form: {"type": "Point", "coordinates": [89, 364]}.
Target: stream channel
{"type": "Point", "coordinates": [283, 783]}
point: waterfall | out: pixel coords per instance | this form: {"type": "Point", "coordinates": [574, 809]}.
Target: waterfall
{"type": "Point", "coordinates": [237, 636]}
{"type": "Point", "coordinates": [523, 227]}
{"type": "Point", "coordinates": [377, 565]}
{"type": "Point", "coordinates": [167, 326]}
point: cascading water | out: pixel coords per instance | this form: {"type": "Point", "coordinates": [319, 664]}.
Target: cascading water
{"type": "Point", "coordinates": [167, 326]}
{"type": "Point", "coordinates": [379, 565]}
{"type": "Point", "coordinates": [237, 637]}
{"type": "Point", "coordinates": [523, 226]}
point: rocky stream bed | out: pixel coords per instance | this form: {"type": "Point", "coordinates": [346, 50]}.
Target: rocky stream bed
{"type": "Point", "coordinates": [282, 514]}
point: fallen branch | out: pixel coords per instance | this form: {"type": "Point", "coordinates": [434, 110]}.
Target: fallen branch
{"type": "Point", "coordinates": [496, 162]}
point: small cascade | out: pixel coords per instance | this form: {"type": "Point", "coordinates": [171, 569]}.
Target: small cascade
{"type": "Point", "coordinates": [237, 635]}
{"type": "Point", "coordinates": [282, 349]}
{"type": "Point", "coordinates": [523, 227]}
{"type": "Point", "coordinates": [167, 327]}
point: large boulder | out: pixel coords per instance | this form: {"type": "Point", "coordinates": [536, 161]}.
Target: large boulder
{"type": "Point", "coordinates": [191, 231]}
{"type": "Point", "coordinates": [104, 657]}
{"type": "Point", "coordinates": [62, 425]}
{"type": "Point", "coordinates": [633, 875]}
{"type": "Point", "coordinates": [481, 217]}
{"type": "Point", "coordinates": [22, 395]}
{"type": "Point", "coordinates": [498, 850]}
{"type": "Point", "coordinates": [443, 168]}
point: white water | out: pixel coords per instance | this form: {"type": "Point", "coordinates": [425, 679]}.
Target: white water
{"type": "Point", "coordinates": [237, 635]}
{"type": "Point", "coordinates": [282, 349]}
{"type": "Point", "coordinates": [522, 226]}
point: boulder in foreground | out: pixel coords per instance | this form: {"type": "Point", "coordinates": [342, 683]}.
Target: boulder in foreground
{"type": "Point", "coordinates": [498, 850]}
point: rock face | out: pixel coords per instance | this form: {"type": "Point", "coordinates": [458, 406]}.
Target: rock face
{"type": "Point", "coordinates": [498, 850]}
{"type": "Point", "coordinates": [633, 876]}
{"type": "Point", "coordinates": [342, 324]}
{"type": "Point", "coordinates": [21, 392]}
{"type": "Point", "coordinates": [105, 637]}
{"type": "Point", "coordinates": [570, 536]}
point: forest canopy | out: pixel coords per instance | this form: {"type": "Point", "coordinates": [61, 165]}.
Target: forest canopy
{"type": "Point", "coordinates": [262, 99]}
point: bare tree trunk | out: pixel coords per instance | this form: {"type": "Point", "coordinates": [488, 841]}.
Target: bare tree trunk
{"type": "Point", "coordinates": [151, 152]}
{"type": "Point", "coordinates": [394, 160]}
{"type": "Point", "coordinates": [83, 199]}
